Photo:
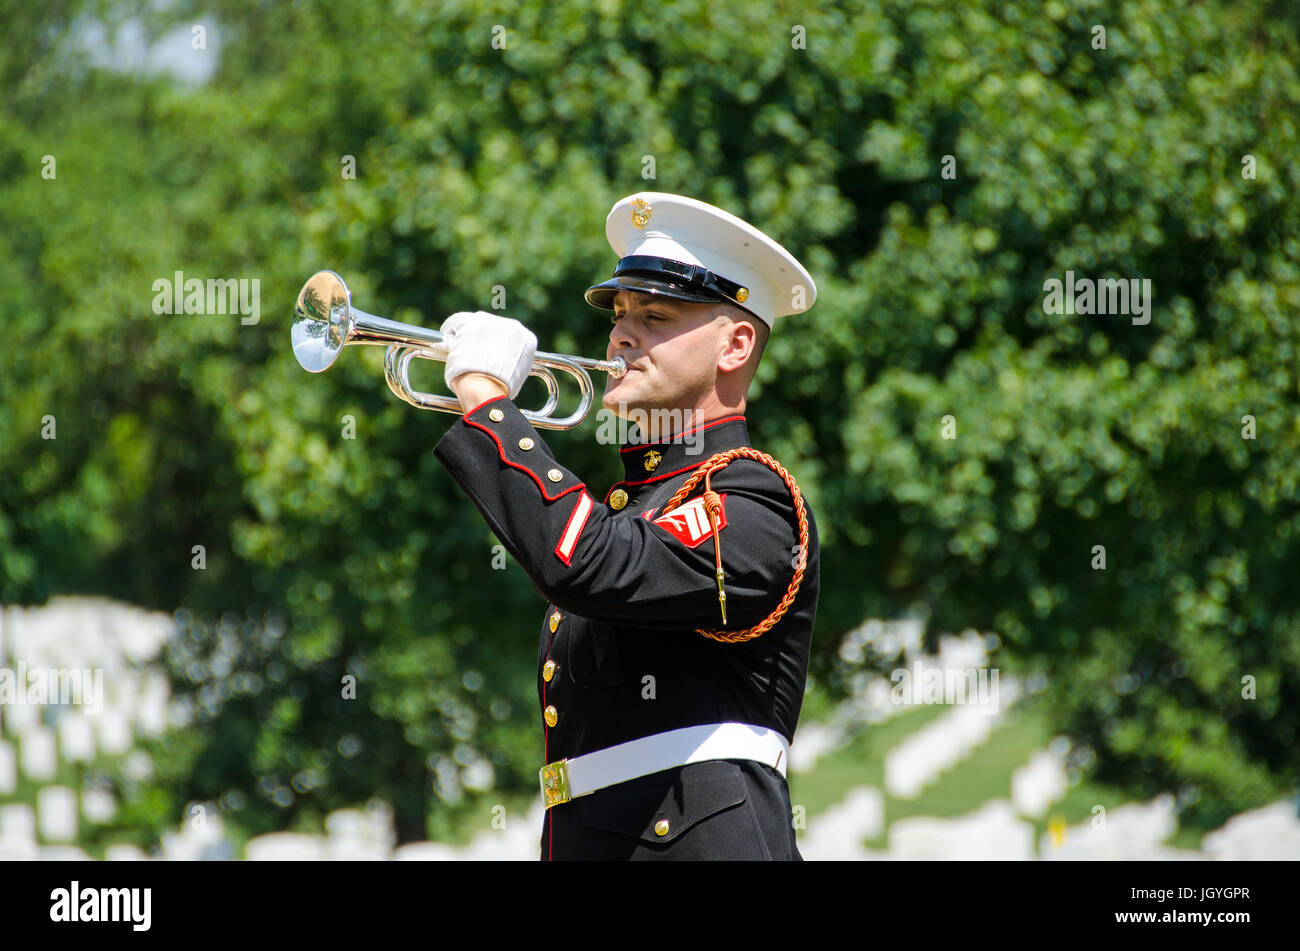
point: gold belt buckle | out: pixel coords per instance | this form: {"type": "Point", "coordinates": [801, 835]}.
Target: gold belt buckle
{"type": "Point", "coordinates": [555, 783]}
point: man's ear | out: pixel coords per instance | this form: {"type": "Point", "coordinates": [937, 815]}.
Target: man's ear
{"type": "Point", "coordinates": [742, 339]}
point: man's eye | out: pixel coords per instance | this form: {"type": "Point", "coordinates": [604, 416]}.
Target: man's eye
{"type": "Point", "coordinates": [648, 318]}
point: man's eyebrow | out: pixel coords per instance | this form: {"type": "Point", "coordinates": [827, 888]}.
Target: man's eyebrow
{"type": "Point", "coordinates": [652, 308]}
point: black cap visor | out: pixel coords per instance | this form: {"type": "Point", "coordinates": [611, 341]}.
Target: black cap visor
{"type": "Point", "coordinates": [665, 278]}
{"type": "Point", "coordinates": [602, 295]}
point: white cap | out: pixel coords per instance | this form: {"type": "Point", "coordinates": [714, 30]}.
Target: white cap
{"type": "Point", "coordinates": [685, 249]}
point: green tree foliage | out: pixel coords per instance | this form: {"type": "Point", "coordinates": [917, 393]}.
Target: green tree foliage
{"type": "Point", "coordinates": [488, 158]}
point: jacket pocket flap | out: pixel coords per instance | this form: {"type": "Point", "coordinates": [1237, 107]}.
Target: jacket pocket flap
{"type": "Point", "coordinates": [681, 797]}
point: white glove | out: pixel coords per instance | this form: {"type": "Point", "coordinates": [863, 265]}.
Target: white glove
{"type": "Point", "coordinates": [479, 342]}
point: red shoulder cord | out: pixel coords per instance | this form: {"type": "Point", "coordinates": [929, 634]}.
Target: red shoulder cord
{"type": "Point", "coordinates": [713, 505]}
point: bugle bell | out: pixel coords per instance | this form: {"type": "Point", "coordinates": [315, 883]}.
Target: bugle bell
{"type": "Point", "coordinates": [324, 322]}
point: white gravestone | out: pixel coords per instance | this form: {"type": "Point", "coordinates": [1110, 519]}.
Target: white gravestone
{"type": "Point", "coordinates": [114, 732]}
{"type": "Point", "coordinates": [8, 768]}
{"type": "Point", "coordinates": [98, 805]}
{"type": "Point", "coordinates": [991, 832]}
{"type": "Point", "coordinates": [76, 738]}
{"type": "Point", "coordinates": [39, 759]}
{"type": "Point", "coordinates": [21, 716]}
{"type": "Point", "coordinates": [1268, 834]}
{"type": "Point", "coordinates": [838, 833]}
{"type": "Point", "coordinates": [57, 808]}
{"type": "Point", "coordinates": [123, 852]}
{"type": "Point", "coordinates": [1038, 784]}
{"type": "Point", "coordinates": [285, 847]}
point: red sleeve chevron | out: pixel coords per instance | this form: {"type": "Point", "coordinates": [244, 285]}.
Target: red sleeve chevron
{"type": "Point", "coordinates": [689, 523]}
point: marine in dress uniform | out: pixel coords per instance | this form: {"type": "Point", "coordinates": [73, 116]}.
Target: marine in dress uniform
{"type": "Point", "coordinates": [661, 738]}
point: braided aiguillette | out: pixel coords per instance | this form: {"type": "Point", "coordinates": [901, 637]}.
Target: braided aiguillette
{"type": "Point", "coordinates": [713, 505]}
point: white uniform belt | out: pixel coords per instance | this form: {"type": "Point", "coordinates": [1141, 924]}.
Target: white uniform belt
{"type": "Point", "coordinates": [570, 778]}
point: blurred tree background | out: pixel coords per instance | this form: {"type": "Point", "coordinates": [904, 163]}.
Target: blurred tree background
{"type": "Point", "coordinates": [489, 142]}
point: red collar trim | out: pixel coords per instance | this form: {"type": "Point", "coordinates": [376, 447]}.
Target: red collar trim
{"type": "Point", "coordinates": [641, 447]}
{"type": "Point", "coordinates": [666, 475]}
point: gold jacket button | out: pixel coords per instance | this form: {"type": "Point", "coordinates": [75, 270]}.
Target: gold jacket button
{"type": "Point", "coordinates": [525, 444]}
{"type": "Point", "coordinates": [496, 415]}
{"type": "Point", "coordinates": [661, 827]}
{"type": "Point", "coordinates": [552, 716]}
{"type": "Point", "coordinates": [548, 670]}
{"type": "Point", "coordinates": [556, 618]}
{"type": "Point", "coordinates": [617, 499]}
{"type": "Point", "coordinates": [555, 475]}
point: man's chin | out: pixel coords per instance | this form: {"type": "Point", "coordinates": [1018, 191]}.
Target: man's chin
{"type": "Point", "coordinates": [619, 408]}
{"type": "Point", "coordinates": [620, 399]}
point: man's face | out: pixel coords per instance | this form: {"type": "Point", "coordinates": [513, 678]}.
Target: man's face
{"type": "Point", "coordinates": [671, 348]}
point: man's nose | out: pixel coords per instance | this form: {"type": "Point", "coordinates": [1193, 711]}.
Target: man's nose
{"type": "Point", "coordinates": [620, 335]}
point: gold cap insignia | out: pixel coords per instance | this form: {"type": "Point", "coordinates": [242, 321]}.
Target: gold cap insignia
{"type": "Point", "coordinates": [652, 460]}
{"type": "Point", "coordinates": [742, 295]}
{"type": "Point", "coordinates": [641, 212]}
